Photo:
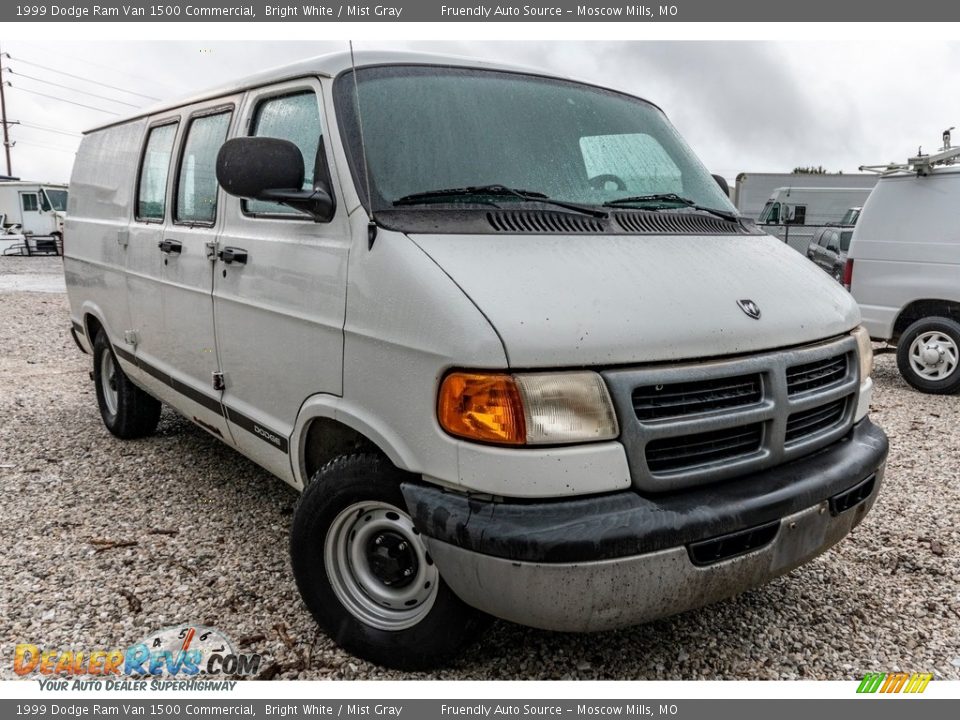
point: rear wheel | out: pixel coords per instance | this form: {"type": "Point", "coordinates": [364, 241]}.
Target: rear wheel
{"type": "Point", "coordinates": [928, 355]}
{"type": "Point", "coordinates": [365, 573]}
{"type": "Point", "coordinates": [127, 411]}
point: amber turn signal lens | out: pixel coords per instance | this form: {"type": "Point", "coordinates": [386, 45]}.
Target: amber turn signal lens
{"type": "Point", "coordinates": [484, 407]}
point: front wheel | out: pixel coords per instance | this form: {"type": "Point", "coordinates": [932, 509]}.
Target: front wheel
{"type": "Point", "coordinates": [928, 355]}
{"type": "Point", "coordinates": [365, 573]}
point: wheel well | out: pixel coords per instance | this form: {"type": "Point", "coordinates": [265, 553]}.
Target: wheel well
{"type": "Point", "coordinates": [327, 439]}
{"type": "Point", "coordinates": [93, 327]}
{"type": "Point", "coordinates": [919, 309]}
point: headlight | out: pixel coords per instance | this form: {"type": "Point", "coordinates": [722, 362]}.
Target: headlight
{"type": "Point", "coordinates": [527, 408]}
{"type": "Point", "coordinates": [864, 352]}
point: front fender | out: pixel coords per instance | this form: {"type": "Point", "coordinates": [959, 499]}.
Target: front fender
{"type": "Point", "coordinates": [336, 408]}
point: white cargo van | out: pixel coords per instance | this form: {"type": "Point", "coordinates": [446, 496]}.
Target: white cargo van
{"type": "Point", "coordinates": [503, 329]}
{"type": "Point", "coordinates": [904, 267]}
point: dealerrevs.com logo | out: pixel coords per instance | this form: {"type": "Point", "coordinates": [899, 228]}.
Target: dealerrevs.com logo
{"type": "Point", "coordinates": [894, 683]}
{"type": "Point", "coordinates": [185, 657]}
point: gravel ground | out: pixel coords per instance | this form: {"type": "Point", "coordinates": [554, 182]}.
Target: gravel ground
{"type": "Point", "coordinates": [210, 529]}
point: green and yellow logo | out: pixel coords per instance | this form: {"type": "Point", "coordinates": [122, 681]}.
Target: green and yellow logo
{"type": "Point", "coordinates": [894, 682]}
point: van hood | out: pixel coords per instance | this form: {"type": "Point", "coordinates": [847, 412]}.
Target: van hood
{"type": "Point", "coordinates": [617, 299]}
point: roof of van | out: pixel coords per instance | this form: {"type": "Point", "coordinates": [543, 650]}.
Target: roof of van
{"type": "Point", "coordinates": [329, 65]}
{"type": "Point", "coordinates": [32, 183]}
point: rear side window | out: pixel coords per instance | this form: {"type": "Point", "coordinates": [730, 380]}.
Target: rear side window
{"type": "Point", "coordinates": [197, 182]}
{"type": "Point", "coordinates": [29, 201]}
{"type": "Point", "coordinates": [296, 118]}
{"type": "Point", "coordinates": [800, 215]}
{"type": "Point", "coordinates": [154, 169]}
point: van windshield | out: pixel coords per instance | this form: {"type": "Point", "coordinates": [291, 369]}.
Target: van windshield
{"type": "Point", "coordinates": [431, 128]}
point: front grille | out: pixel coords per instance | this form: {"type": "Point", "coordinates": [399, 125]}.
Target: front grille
{"type": "Point", "coordinates": [803, 424]}
{"type": "Point", "coordinates": [817, 374]}
{"type": "Point", "coordinates": [689, 424]}
{"type": "Point", "coordinates": [689, 451]}
{"type": "Point", "coordinates": [656, 402]}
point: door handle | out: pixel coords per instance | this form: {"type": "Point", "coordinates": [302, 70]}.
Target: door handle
{"type": "Point", "coordinates": [231, 255]}
{"type": "Point", "coordinates": [170, 247]}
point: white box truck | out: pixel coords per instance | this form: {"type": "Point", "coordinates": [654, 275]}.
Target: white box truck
{"type": "Point", "coordinates": [794, 214]}
{"type": "Point", "coordinates": [38, 208]}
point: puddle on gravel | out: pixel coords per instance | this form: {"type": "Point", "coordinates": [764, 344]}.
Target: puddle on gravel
{"type": "Point", "coordinates": [32, 282]}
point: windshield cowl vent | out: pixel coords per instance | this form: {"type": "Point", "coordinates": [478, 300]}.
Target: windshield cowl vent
{"type": "Point", "coordinates": [676, 223]}
{"type": "Point", "coordinates": [539, 221]}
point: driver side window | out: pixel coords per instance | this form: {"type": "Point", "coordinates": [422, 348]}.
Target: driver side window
{"type": "Point", "coordinates": [294, 117]}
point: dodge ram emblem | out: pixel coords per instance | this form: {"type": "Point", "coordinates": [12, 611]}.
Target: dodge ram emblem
{"type": "Point", "coordinates": [750, 308]}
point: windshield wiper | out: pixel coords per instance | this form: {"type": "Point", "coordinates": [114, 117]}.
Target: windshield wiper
{"type": "Point", "coordinates": [639, 200]}
{"type": "Point", "coordinates": [431, 196]}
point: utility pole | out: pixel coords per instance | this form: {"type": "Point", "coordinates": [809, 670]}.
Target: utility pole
{"type": "Point", "coordinates": [3, 117]}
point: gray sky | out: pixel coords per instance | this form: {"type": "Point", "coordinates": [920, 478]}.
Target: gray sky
{"type": "Point", "coordinates": [743, 106]}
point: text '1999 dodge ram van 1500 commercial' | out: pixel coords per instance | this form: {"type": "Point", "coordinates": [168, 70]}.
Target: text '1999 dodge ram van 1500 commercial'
{"type": "Point", "coordinates": [503, 330]}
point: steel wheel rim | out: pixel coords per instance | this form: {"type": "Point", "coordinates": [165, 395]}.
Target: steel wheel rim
{"type": "Point", "coordinates": [351, 556]}
{"type": "Point", "coordinates": [934, 355]}
{"type": "Point", "coordinates": [109, 382]}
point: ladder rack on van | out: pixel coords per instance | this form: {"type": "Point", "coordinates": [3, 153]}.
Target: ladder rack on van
{"type": "Point", "coordinates": [921, 164]}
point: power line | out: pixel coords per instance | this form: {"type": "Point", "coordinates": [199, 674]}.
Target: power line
{"type": "Point", "coordinates": [67, 87]}
{"type": "Point", "coordinates": [132, 76]}
{"type": "Point", "coordinates": [49, 129]}
{"type": "Point", "coordinates": [54, 97]}
{"type": "Point", "coordinates": [78, 77]}
{"type": "Point", "coordinates": [44, 145]}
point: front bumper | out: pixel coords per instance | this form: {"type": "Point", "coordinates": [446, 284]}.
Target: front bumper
{"type": "Point", "coordinates": [621, 559]}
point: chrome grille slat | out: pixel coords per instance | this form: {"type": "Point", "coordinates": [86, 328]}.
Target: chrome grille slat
{"type": "Point", "coordinates": [688, 424]}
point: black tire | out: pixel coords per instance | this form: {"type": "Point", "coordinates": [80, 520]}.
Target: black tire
{"type": "Point", "coordinates": [931, 326]}
{"type": "Point", "coordinates": [359, 481]}
{"type": "Point", "coordinates": [133, 412]}
{"type": "Point", "coordinates": [837, 274]}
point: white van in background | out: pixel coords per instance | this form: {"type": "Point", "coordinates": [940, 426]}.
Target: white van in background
{"type": "Point", "coordinates": [793, 214]}
{"type": "Point", "coordinates": [903, 267]}
{"type": "Point", "coordinates": [503, 329]}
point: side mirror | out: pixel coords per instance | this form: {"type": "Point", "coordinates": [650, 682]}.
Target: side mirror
{"type": "Point", "coordinates": [270, 169]}
{"type": "Point", "coordinates": [722, 182]}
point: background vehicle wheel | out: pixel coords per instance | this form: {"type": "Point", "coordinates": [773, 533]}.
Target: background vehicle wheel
{"type": "Point", "coordinates": [365, 574]}
{"type": "Point", "coordinates": [127, 411]}
{"type": "Point", "coordinates": [928, 355]}
{"type": "Point", "coordinates": [837, 274]}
